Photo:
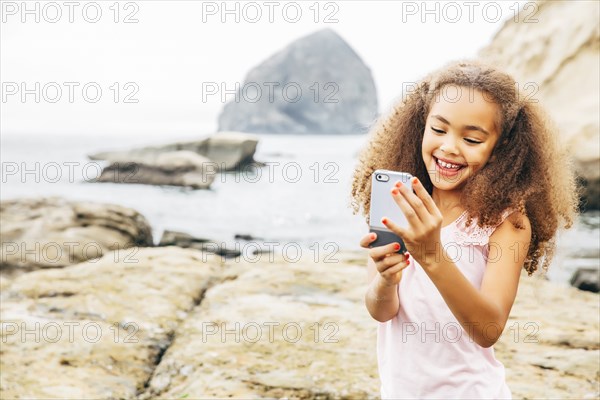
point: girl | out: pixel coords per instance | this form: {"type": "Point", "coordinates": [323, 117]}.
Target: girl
{"type": "Point", "coordinates": [491, 187]}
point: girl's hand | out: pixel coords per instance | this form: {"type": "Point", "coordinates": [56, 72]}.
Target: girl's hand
{"type": "Point", "coordinates": [423, 236]}
{"type": "Point", "coordinates": [389, 264]}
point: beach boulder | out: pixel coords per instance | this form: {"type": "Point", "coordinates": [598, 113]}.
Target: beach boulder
{"type": "Point", "coordinates": [54, 232]}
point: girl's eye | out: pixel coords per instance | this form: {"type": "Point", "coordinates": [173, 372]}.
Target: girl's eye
{"type": "Point", "coordinates": [467, 140]}
{"type": "Point", "coordinates": [472, 141]}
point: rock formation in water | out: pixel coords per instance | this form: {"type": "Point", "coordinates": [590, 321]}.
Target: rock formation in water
{"type": "Point", "coordinates": [189, 164]}
{"type": "Point", "coordinates": [317, 84]}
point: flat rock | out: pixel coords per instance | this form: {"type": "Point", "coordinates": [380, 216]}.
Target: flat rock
{"type": "Point", "coordinates": [101, 327]}
{"type": "Point", "coordinates": [278, 330]}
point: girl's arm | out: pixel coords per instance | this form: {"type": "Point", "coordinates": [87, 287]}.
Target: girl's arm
{"type": "Point", "coordinates": [384, 272]}
{"type": "Point", "coordinates": [381, 300]}
{"type": "Point", "coordinates": [483, 313]}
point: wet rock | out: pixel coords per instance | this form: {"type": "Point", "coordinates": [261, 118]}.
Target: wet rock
{"type": "Point", "coordinates": [181, 239]}
{"type": "Point", "coordinates": [586, 279]}
{"type": "Point", "coordinates": [221, 250]}
{"type": "Point", "coordinates": [245, 237]}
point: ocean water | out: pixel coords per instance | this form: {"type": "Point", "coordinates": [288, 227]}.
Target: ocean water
{"type": "Point", "coordinates": [300, 199]}
{"type": "Point", "coordinates": [302, 196]}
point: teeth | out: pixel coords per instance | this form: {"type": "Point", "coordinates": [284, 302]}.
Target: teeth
{"type": "Point", "coordinates": [447, 165]}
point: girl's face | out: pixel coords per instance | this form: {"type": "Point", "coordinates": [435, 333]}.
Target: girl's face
{"type": "Point", "coordinates": [461, 130]}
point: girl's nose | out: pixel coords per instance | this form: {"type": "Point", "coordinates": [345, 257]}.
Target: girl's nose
{"type": "Point", "coordinates": [448, 148]}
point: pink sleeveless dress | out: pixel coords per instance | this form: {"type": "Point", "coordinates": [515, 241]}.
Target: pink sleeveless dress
{"type": "Point", "coordinates": [423, 352]}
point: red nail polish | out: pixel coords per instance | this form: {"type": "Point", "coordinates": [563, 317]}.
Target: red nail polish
{"type": "Point", "coordinates": [384, 220]}
{"type": "Point", "coordinates": [394, 192]}
{"type": "Point", "coordinates": [406, 255]}
{"type": "Point", "coordinates": [372, 236]}
{"type": "Point", "coordinates": [415, 180]}
{"type": "Point", "coordinates": [398, 184]}
{"type": "Point", "coordinates": [396, 246]}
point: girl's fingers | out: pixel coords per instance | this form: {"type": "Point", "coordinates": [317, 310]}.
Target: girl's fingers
{"type": "Point", "coordinates": [368, 239]}
{"type": "Point", "coordinates": [391, 262]}
{"type": "Point", "coordinates": [379, 252]}
{"type": "Point", "coordinates": [391, 225]}
{"type": "Point", "coordinates": [396, 268]}
{"type": "Point", "coordinates": [414, 204]}
{"type": "Point", "coordinates": [422, 193]}
{"type": "Point", "coordinates": [398, 193]}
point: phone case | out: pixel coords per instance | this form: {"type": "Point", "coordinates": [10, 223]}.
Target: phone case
{"type": "Point", "coordinates": [383, 205]}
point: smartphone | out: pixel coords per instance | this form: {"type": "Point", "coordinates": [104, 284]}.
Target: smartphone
{"type": "Point", "coordinates": [383, 205]}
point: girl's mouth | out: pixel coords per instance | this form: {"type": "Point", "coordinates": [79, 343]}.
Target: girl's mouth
{"type": "Point", "coordinates": [446, 168]}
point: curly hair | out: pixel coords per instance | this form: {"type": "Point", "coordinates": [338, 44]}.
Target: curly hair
{"type": "Point", "coordinates": [530, 173]}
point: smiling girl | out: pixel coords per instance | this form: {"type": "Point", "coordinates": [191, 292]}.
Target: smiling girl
{"type": "Point", "coordinates": [492, 186]}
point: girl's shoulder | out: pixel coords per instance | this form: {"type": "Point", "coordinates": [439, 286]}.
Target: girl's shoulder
{"type": "Point", "coordinates": [473, 234]}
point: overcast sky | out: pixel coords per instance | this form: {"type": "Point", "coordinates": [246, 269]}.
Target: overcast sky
{"type": "Point", "coordinates": [169, 49]}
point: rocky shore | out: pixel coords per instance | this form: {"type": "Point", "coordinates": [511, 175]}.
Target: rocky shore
{"type": "Point", "coordinates": [169, 322]}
